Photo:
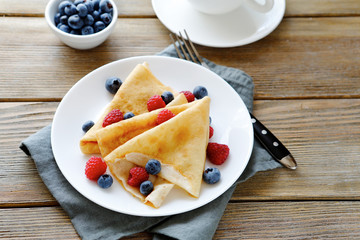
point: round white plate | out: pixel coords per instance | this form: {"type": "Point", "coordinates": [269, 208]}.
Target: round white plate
{"type": "Point", "coordinates": [87, 99]}
{"type": "Point", "coordinates": [239, 27]}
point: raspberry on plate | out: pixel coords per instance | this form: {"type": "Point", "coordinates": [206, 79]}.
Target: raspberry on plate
{"type": "Point", "coordinates": [95, 167]}
{"type": "Point", "coordinates": [155, 102]}
{"type": "Point", "coordinates": [114, 116]}
{"type": "Point", "coordinates": [211, 131]}
{"type": "Point", "coordinates": [217, 153]}
{"type": "Point", "coordinates": [189, 95]}
{"type": "Point", "coordinates": [137, 175]}
{"type": "Point", "coordinates": [163, 116]}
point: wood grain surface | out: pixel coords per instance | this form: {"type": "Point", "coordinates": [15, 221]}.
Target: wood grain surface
{"type": "Point", "coordinates": [307, 91]}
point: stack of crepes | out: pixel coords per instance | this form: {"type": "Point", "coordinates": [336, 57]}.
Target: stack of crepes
{"type": "Point", "coordinates": [179, 143]}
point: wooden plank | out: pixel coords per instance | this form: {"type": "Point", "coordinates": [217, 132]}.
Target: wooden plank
{"type": "Point", "coordinates": [303, 58]}
{"type": "Point", "coordinates": [245, 220]}
{"type": "Point", "coordinates": [134, 8]}
{"type": "Point", "coordinates": [144, 8]}
{"type": "Point", "coordinates": [323, 135]}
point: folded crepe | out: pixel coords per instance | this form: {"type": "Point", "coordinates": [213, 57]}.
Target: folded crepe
{"type": "Point", "coordinates": [116, 134]}
{"type": "Point", "coordinates": [132, 96]}
{"type": "Point", "coordinates": [179, 144]}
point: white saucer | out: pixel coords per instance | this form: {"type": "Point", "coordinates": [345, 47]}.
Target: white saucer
{"type": "Point", "coordinates": [239, 27]}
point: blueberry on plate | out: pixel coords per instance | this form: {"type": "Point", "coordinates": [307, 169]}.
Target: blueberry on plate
{"type": "Point", "coordinates": [153, 167]}
{"type": "Point", "coordinates": [128, 115]}
{"type": "Point", "coordinates": [87, 125]}
{"type": "Point", "coordinates": [113, 84]}
{"type": "Point", "coordinates": [105, 6]}
{"type": "Point", "coordinates": [211, 175]}
{"type": "Point", "coordinates": [167, 97]}
{"type": "Point", "coordinates": [105, 181]}
{"type": "Point", "coordinates": [87, 30]}
{"type": "Point", "coordinates": [99, 25]}
{"type": "Point", "coordinates": [75, 22]}
{"type": "Point", "coordinates": [146, 187]}
{"type": "Point", "coordinates": [200, 92]}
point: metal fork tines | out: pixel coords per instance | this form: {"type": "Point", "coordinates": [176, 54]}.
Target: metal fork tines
{"type": "Point", "coordinates": [185, 49]}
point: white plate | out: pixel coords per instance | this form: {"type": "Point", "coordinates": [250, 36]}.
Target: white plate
{"type": "Point", "coordinates": [87, 99]}
{"type": "Point", "coordinates": [239, 27]}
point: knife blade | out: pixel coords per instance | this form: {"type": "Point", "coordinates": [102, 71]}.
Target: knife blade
{"type": "Point", "coordinates": [273, 144]}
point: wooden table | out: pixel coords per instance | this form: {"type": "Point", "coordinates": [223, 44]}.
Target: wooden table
{"type": "Point", "coordinates": [307, 91]}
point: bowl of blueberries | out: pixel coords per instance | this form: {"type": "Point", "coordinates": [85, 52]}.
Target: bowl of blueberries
{"type": "Point", "coordinates": [81, 24]}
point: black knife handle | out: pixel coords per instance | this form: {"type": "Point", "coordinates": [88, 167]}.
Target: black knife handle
{"type": "Point", "coordinates": [268, 140]}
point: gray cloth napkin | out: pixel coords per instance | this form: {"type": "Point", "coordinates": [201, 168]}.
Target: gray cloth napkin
{"type": "Point", "coordinates": [92, 221]}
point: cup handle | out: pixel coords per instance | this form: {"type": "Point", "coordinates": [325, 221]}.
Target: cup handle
{"type": "Point", "coordinates": [263, 8]}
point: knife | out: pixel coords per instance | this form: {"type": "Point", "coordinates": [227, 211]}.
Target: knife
{"type": "Point", "coordinates": [272, 144]}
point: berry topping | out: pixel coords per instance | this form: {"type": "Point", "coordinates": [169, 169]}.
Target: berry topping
{"type": "Point", "coordinates": [137, 175]}
{"type": "Point", "coordinates": [217, 153]}
{"type": "Point", "coordinates": [113, 84]}
{"type": "Point", "coordinates": [114, 116]}
{"type": "Point", "coordinates": [95, 167]}
{"type": "Point", "coordinates": [167, 97]}
{"type": "Point", "coordinates": [153, 166]}
{"type": "Point", "coordinates": [211, 131]}
{"type": "Point", "coordinates": [163, 116]}
{"type": "Point", "coordinates": [211, 175]}
{"type": "Point", "coordinates": [146, 187]}
{"type": "Point", "coordinates": [128, 115]}
{"type": "Point", "coordinates": [200, 92]}
{"type": "Point", "coordinates": [87, 125]}
{"type": "Point", "coordinates": [105, 6]}
{"type": "Point", "coordinates": [189, 96]}
{"type": "Point", "coordinates": [155, 102]}
{"type": "Point", "coordinates": [105, 181]}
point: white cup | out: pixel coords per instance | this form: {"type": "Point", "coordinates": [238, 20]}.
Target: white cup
{"type": "Point", "coordinates": [225, 6]}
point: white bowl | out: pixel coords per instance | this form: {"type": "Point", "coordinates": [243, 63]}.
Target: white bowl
{"type": "Point", "coordinates": [81, 42]}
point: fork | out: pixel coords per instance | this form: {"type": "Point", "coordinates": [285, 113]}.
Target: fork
{"type": "Point", "coordinates": [185, 49]}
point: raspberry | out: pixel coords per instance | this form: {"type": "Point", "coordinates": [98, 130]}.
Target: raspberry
{"type": "Point", "coordinates": [163, 116]}
{"type": "Point", "coordinates": [114, 116]}
{"type": "Point", "coordinates": [95, 167]}
{"type": "Point", "coordinates": [155, 102]}
{"type": "Point", "coordinates": [211, 131]}
{"type": "Point", "coordinates": [217, 153]}
{"type": "Point", "coordinates": [189, 95]}
{"type": "Point", "coordinates": [137, 176]}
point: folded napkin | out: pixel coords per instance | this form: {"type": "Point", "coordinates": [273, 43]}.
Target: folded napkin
{"type": "Point", "coordinates": [92, 221]}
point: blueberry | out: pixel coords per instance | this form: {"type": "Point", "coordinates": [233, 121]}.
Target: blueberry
{"type": "Point", "coordinates": [75, 22]}
{"type": "Point", "coordinates": [87, 30]}
{"type": "Point", "coordinates": [105, 181]}
{"type": "Point", "coordinates": [82, 9]}
{"type": "Point", "coordinates": [90, 6]}
{"type": "Point", "coordinates": [167, 97]}
{"type": "Point", "coordinates": [146, 187]}
{"type": "Point", "coordinates": [87, 125]}
{"type": "Point", "coordinates": [98, 26]}
{"type": "Point", "coordinates": [113, 84]}
{"type": "Point", "coordinates": [96, 15]}
{"type": "Point", "coordinates": [77, 2]}
{"type": "Point", "coordinates": [70, 10]}
{"type": "Point", "coordinates": [128, 115]}
{"type": "Point", "coordinates": [211, 175]}
{"type": "Point", "coordinates": [62, 6]}
{"type": "Point", "coordinates": [63, 27]}
{"type": "Point", "coordinates": [210, 120]}
{"type": "Point", "coordinates": [105, 6]}
{"type": "Point", "coordinates": [75, 32]}
{"type": "Point", "coordinates": [89, 20]}
{"type": "Point", "coordinates": [200, 92]}
{"type": "Point", "coordinates": [57, 18]}
{"type": "Point", "coordinates": [106, 18]}
{"type": "Point", "coordinates": [64, 19]}
{"type": "Point", "coordinates": [96, 4]}
{"type": "Point", "coordinates": [153, 166]}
